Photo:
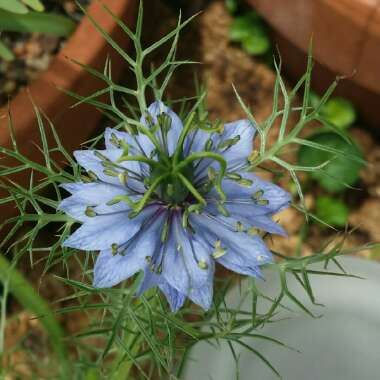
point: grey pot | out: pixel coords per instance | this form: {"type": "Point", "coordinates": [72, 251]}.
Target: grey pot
{"type": "Point", "coordinates": [344, 344]}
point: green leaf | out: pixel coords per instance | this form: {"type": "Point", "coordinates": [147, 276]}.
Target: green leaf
{"type": "Point", "coordinates": [13, 6]}
{"type": "Point", "coordinates": [232, 5]}
{"type": "Point", "coordinates": [5, 52]}
{"type": "Point", "coordinates": [252, 33]}
{"type": "Point", "coordinates": [339, 112]}
{"type": "Point", "coordinates": [36, 22]}
{"type": "Point", "coordinates": [257, 43]}
{"type": "Point", "coordinates": [242, 26]}
{"type": "Point", "coordinates": [35, 5]}
{"type": "Point", "coordinates": [341, 171]}
{"type": "Point", "coordinates": [332, 211]}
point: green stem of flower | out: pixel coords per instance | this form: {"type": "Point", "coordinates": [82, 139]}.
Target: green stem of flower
{"type": "Point", "coordinates": [192, 189]}
{"type": "Point", "coordinates": [141, 85]}
{"type": "Point", "coordinates": [143, 159]}
{"type": "Point", "coordinates": [154, 141]}
{"type": "Point", "coordinates": [213, 156]}
{"type": "Point", "coordinates": [182, 137]}
{"type": "Point", "coordinates": [138, 207]}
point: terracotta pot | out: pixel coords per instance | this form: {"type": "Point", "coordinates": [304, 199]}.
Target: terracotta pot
{"type": "Point", "coordinates": [346, 41]}
{"type": "Point", "coordinates": [87, 46]}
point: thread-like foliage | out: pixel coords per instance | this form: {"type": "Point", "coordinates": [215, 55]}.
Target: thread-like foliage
{"type": "Point", "coordinates": [137, 338]}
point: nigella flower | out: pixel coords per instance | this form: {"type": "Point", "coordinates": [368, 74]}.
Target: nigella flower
{"type": "Point", "coordinates": [171, 200]}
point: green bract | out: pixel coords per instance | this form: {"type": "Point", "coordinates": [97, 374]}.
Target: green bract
{"type": "Point", "coordinates": [340, 163]}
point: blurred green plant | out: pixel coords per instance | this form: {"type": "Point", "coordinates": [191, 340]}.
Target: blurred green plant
{"type": "Point", "coordinates": [251, 31]}
{"type": "Point", "coordinates": [337, 111]}
{"type": "Point", "coordinates": [339, 172]}
{"type": "Point", "coordinates": [233, 5]}
{"type": "Point", "coordinates": [14, 283]}
{"type": "Point", "coordinates": [332, 211]}
{"type": "Point", "coordinates": [338, 114]}
{"type": "Point", "coordinates": [25, 16]}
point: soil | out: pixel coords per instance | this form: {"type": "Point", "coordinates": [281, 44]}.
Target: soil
{"type": "Point", "coordinates": [33, 51]}
{"type": "Point", "coordinates": [206, 40]}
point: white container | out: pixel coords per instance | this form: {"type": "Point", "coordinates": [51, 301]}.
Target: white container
{"type": "Point", "coordinates": [344, 344]}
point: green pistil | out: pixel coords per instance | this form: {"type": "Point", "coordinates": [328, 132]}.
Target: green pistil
{"type": "Point", "coordinates": [115, 141]}
{"type": "Point", "coordinates": [114, 249]}
{"type": "Point", "coordinates": [101, 156]}
{"type": "Point", "coordinates": [228, 143]}
{"type": "Point", "coordinates": [211, 173]}
{"type": "Point", "coordinates": [222, 210]}
{"type": "Point", "coordinates": [219, 251]}
{"type": "Point", "coordinates": [86, 179]}
{"type": "Point", "coordinates": [202, 264]}
{"type": "Point", "coordinates": [254, 155]}
{"type": "Point", "coordinates": [257, 198]}
{"type": "Point", "coordinates": [110, 173]}
{"type": "Point", "coordinates": [253, 231]}
{"type": "Point", "coordinates": [234, 176]}
{"type": "Point", "coordinates": [92, 176]}
{"type": "Point", "coordinates": [257, 195]}
{"type": "Point", "coordinates": [239, 227]}
{"type": "Point", "coordinates": [245, 182]}
{"type": "Point", "coordinates": [90, 212]}
{"type": "Point", "coordinates": [165, 231]}
{"type": "Point", "coordinates": [123, 178]}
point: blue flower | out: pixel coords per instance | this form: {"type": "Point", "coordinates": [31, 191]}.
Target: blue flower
{"type": "Point", "coordinates": [171, 200]}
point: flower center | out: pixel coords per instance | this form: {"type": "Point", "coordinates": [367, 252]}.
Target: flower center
{"type": "Point", "coordinates": [172, 189]}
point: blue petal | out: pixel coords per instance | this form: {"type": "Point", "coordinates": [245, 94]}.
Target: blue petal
{"type": "Point", "coordinates": [174, 297]}
{"type": "Point", "coordinates": [194, 252]}
{"type": "Point", "coordinates": [100, 232]}
{"type": "Point", "coordinates": [154, 110]}
{"type": "Point", "coordinates": [237, 154]}
{"type": "Point", "coordinates": [246, 253]}
{"type": "Point", "coordinates": [239, 198]}
{"type": "Point", "coordinates": [94, 193]}
{"type": "Point", "coordinates": [74, 209]}
{"type": "Point", "coordinates": [248, 219]}
{"type": "Point", "coordinates": [173, 258]}
{"type": "Point", "coordinates": [196, 141]}
{"type": "Point", "coordinates": [90, 162]}
{"type": "Point", "coordinates": [129, 139]}
{"type": "Point", "coordinates": [203, 295]}
{"type": "Point", "coordinates": [112, 269]}
{"type": "Point", "coordinates": [91, 194]}
{"type": "Point", "coordinates": [247, 270]}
